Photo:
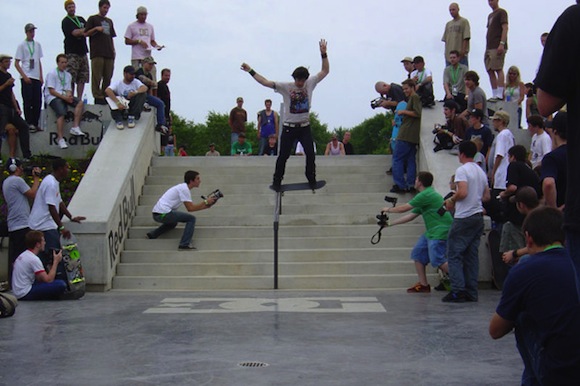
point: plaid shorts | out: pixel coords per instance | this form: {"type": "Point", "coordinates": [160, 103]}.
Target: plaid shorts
{"type": "Point", "coordinates": [78, 67]}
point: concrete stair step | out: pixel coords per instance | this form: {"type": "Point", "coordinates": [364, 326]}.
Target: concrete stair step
{"type": "Point", "coordinates": [266, 255]}
{"type": "Point", "coordinates": [311, 282]}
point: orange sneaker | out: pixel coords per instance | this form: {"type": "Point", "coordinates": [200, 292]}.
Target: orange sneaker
{"type": "Point", "coordinates": [417, 288]}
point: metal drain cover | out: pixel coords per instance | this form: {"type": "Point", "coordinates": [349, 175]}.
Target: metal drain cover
{"type": "Point", "coordinates": [253, 364]}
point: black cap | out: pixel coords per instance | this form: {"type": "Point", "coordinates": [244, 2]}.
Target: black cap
{"type": "Point", "coordinates": [476, 113]}
{"type": "Point", "coordinates": [418, 59]}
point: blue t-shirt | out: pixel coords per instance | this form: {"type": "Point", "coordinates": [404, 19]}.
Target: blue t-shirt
{"type": "Point", "coordinates": [544, 288]}
{"type": "Point", "coordinates": [484, 133]}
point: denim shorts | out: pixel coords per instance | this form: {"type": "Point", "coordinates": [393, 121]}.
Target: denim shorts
{"type": "Point", "coordinates": [433, 251]}
{"type": "Point", "coordinates": [60, 107]}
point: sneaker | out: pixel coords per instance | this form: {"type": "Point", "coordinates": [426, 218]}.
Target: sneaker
{"type": "Point", "coordinates": [162, 129]}
{"type": "Point", "coordinates": [389, 172]}
{"type": "Point", "coordinates": [412, 190]}
{"type": "Point", "coordinates": [277, 185]}
{"type": "Point", "coordinates": [418, 288]}
{"type": "Point", "coordinates": [130, 121]}
{"type": "Point", "coordinates": [150, 236]}
{"type": "Point", "coordinates": [120, 125]}
{"type": "Point", "coordinates": [146, 107]}
{"type": "Point", "coordinates": [186, 248]}
{"type": "Point", "coordinates": [77, 131]}
{"type": "Point", "coordinates": [312, 184]}
{"type": "Point", "coordinates": [454, 297]}
{"type": "Point", "coordinates": [62, 143]}
{"type": "Point", "coordinates": [397, 189]}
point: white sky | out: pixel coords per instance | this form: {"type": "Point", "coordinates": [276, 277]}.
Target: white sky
{"type": "Point", "coordinates": [206, 41]}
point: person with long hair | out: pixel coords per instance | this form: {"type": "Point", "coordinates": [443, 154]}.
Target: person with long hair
{"type": "Point", "coordinates": [514, 90]}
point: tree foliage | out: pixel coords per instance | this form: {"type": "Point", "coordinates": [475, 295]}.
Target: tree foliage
{"type": "Point", "coordinates": [369, 137]}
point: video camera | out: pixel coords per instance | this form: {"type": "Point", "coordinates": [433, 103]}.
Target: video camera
{"type": "Point", "coordinates": [377, 102]}
{"type": "Point", "coordinates": [383, 220]}
{"type": "Point", "coordinates": [217, 194]}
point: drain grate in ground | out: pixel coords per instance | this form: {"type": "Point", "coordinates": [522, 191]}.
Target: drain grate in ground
{"type": "Point", "coordinates": [253, 364]}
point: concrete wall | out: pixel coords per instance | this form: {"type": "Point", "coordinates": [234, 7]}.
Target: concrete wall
{"type": "Point", "coordinates": [95, 120]}
{"type": "Point", "coordinates": [107, 196]}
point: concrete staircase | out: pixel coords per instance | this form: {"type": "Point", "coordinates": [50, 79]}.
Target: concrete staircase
{"type": "Point", "coordinates": [324, 238]}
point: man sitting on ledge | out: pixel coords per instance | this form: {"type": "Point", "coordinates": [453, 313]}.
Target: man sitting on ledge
{"type": "Point", "coordinates": [129, 90]}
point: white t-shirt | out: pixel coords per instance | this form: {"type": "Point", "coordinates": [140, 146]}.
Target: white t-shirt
{"type": "Point", "coordinates": [14, 188]}
{"type": "Point", "coordinates": [476, 184]}
{"type": "Point", "coordinates": [172, 199]}
{"type": "Point", "coordinates": [59, 81]}
{"type": "Point", "coordinates": [503, 142]}
{"type": "Point", "coordinates": [26, 266]}
{"type": "Point", "coordinates": [29, 54]}
{"type": "Point", "coordinates": [48, 194]}
{"type": "Point", "coordinates": [297, 101]}
{"type": "Point", "coordinates": [541, 145]}
{"type": "Point", "coordinates": [120, 88]}
{"type": "Point", "coordinates": [421, 75]}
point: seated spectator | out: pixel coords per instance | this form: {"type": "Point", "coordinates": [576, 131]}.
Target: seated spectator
{"type": "Point", "coordinates": [526, 200]}
{"type": "Point", "coordinates": [12, 139]}
{"type": "Point", "coordinates": [129, 90]}
{"type": "Point", "coordinates": [453, 82]}
{"type": "Point", "coordinates": [514, 90]}
{"type": "Point", "coordinates": [181, 151]}
{"type": "Point", "coordinates": [454, 130]}
{"type": "Point", "coordinates": [477, 129]}
{"type": "Point", "coordinates": [334, 147]}
{"type": "Point", "coordinates": [29, 278]}
{"type": "Point", "coordinates": [479, 158]}
{"type": "Point", "coordinates": [541, 301]}
{"type": "Point", "coordinates": [58, 95]}
{"type": "Point", "coordinates": [541, 141]}
{"type": "Point", "coordinates": [272, 148]}
{"type": "Point", "coordinates": [241, 147]}
{"type": "Point", "coordinates": [476, 98]}
{"type": "Point", "coordinates": [348, 148]}
{"type": "Point", "coordinates": [423, 82]}
{"type": "Point", "coordinates": [145, 75]}
{"type": "Point", "coordinates": [212, 151]}
{"type": "Point", "coordinates": [300, 149]}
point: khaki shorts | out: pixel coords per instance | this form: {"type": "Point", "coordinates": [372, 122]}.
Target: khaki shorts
{"type": "Point", "coordinates": [78, 67]}
{"type": "Point", "coordinates": [493, 61]}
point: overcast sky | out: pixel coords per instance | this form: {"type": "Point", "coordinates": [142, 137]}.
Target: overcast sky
{"type": "Point", "coordinates": [206, 41]}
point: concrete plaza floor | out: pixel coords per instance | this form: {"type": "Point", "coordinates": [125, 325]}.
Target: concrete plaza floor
{"type": "Point", "coordinates": [256, 338]}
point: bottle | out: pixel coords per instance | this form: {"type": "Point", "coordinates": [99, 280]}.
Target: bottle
{"type": "Point", "coordinates": [85, 100]}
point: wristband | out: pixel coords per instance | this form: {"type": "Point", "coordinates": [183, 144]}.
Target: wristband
{"type": "Point", "coordinates": [61, 228]}
{"type": "Point", "coordinates": [324, 56]}
{"type": "Point", "coordinates": [206, 203]}
{"type": "Point", "coordinates": [515, 253]}
{"type": "Point", "coordinates": [502, 43]}
{"type": "Point", "coordinates": [252, 72]}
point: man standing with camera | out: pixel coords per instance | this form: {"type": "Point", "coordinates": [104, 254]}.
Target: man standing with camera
{"type": "Point", "coordinates": [165, 210]}
{"type": "Point", "coordinates": [432, 245]}
{"type": "Point", "coordinates": [17, 193]}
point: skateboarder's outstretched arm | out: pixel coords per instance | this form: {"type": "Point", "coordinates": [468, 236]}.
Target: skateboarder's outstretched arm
{"type": "Point", "coordinates": [259, 78]}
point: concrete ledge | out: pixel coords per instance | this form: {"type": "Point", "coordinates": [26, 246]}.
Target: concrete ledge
{"type": "Point", "coordinates": [107, 197]}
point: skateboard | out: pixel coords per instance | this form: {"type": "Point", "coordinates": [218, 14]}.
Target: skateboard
{"type": "Point", "coordinates": [73, 267]}
{"type": "Point", "coordinates": [299, 186]}
{"type": "Point", "coordinates": [499, 269]}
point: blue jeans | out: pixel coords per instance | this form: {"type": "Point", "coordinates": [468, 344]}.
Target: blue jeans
{"type": "Point", "coordinates": [404, 153]}
{"type": "Point", "coordinates": [426, 251]}
{"type": "Point", "coordinates": [462, 253]}
{"type": "Point", "coordinates": [263, 145]}
{"type": "Point", "coordinates": [46, 291]}
{"type": "Point", "coordinates": [170, 150]}
{"type": "Point", "coordinates": [234, 138]}
{"type": "Point", "coordinates": [169, 221]}
{"type": "Point", "coordinates": [160, 106]}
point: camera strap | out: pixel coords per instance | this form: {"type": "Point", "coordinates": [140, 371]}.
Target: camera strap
{"type": "Point", "coordinates": [377, 236]}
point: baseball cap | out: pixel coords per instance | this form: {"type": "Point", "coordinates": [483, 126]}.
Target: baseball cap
{"type": "Point", "coordinates": [242, 135]}
{"type": "Point", "coordinates": [239, 99]}
{"type": "Point", "coordinates": [407, 59]}
{"type": "Point", "coordinates": [29, 27]}
{"type": "Point", "coordinates": [212, 144]}
{"type": "Point", "coordinates": [141, 9]}
{"type": "Point", "coordinates": [418, 59]}
{"type": "Point", "coordinates": [149, 59]}
{"type": "Point", "coordinates": [502, 116]}
{"type": "Point", "coordinates": [129, 69]}
{"type": "Point", "coordinates": [476, 113]}
{"type": "Point", "coordinates": [4, 56]}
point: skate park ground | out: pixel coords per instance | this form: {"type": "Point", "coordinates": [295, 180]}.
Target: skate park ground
{"type": "Point", "coordinates": [256, 338]}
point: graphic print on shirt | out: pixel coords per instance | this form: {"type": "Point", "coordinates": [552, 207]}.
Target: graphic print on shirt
{"type": "Point", "coordinates": [299, 101]}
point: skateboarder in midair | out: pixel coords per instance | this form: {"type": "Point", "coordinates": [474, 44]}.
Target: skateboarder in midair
{"type": "Point", "coordinates": [296, 115]}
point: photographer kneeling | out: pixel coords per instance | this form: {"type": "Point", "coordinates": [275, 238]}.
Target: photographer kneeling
{"type": "Point", "coordinates": [432, 245]}
{"type": "Point", "coordinates": [165, 211]}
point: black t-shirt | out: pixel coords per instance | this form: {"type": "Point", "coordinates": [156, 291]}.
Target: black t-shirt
{"type": "Point", "coordinates": [484, 133]}
{"type": "Point", "coordinates": [396, 93]}
{"type": "Point", "coordinates": [6, 94]}
{"type": "Point", "coordinates": [348, 149]}
{"type": "Point", "coordinates": [554, 165]}
{"type": "Point", "coordinates": [520, 174]}
{"type": "Point", "coordinates": [164, 94]}
{"type": "Point", "coordinates": [101, 43]}
{"type": "Point", "coordinates": [559, 76]}
{"type": "Point", "coordinates": [73, 44]}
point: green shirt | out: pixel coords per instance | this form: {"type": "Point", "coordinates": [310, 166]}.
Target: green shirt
{"type": "Point", "coordinates": [427, 203]}
{"type": "Point", "coordinates": [238, 148]}
{"type": "Point", "coordinates": [411, 126]}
